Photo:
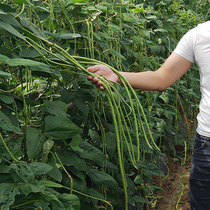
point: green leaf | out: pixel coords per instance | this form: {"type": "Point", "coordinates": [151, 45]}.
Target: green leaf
{"type": "Point", "coordinates": [95, 137]}
{"type": "Point", "coordinates": [55, 174]}
{"type": "Point", "coordinates": [23, 171]}
{"type": "Point", "coordinates": [41, 68]}
{"type": "Point", "coordinates": [79, 183]}
{"type": "Point", "coordinates": [74, 144]}
{"type": "Point", "coordinates": [111, 144]}
{"type": "Point", "coordinates": [34, 142]}
{"type": "Point", "coordinates": [48, 183]}
{"type": "Point", "coordinates": [69, 36]}
{"type": "Point", "coordinates": [160, 30]}
{"type": "Point", "coordinates": [56, 107]}
{"type": "Point", "coordinates": [114, 27]}
{"type": "Point", "coordinates": [70, 201]}
{"type": "Point", "coordinates": [100, 177]}
{"type": "Point", "coordinates": [43, 204]}
{"type": "Point", "coordinates": [4, 169]}
{"type": "Point", "coordinates": [70, 158]}
{"type": "Point", "coordinates": [28, 188]}
{"type": "Point", "coordinates": [3, 58]}
{"type": "Point", "coordinates": [68, 96]}
{"type": "Point", "coordinates": [48, 145]}
{"type": "Point", "coordinates": [29, 53]}
{"type": "Point", "coordinates": [115, 53]}
{"type": "Point", "coordinates": [21, 2]}
{"type": "Point", "coordinates": [24, 62]}
{"type": "Point", "coordinates": [51, 194]}
{"type": "Point", "coordinates": [4, 74]}
{"type": "Point", "coordinates": [6, 124]}
{"type": "Point", "coordinates": [6, 8]}
{"type": "Point", "coordinates": [8, 191]}
{"type": "Point", "coordinates": [151, 17]}
{"type": "Point", "coordinates": [164, 96]}
{"type": "Point", "coordinates": [40, 168]}
{"type": "Point", "coordinates": [14, 145]}
{"type": "Point", "coordinates": [6, 99]}
{"type": "Point", "coordinates": [26, 23]}
{"type": "Point", "coordinates": [139, 199]}
{"type": "Point", "coordinates": [60, 127]}
{"type": "Point", "coordinates": [81, 105]}
{"type": "Point", "coordinates": [95, 193]}
{"type": "Point", "coordinates": [10, 20]}
{"type": "Point", "coordinates": [129, 17]}
{"type": "Point", "coordinates": [12, 30]}
{"type": "Point", "coordinates": [90, 152]}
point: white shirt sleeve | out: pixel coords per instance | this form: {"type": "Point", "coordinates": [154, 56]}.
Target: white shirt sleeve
{"type": "Point", "coordinates": [186, 45]}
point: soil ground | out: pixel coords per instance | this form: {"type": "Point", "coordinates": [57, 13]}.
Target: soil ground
{"type": "Point", "coordinates": [175, 194]}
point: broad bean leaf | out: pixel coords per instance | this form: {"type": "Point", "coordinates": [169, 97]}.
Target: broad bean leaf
{"type": "Point", "coordinates": [40, 168]}
{"type": "Point", "coordinates": [51, 194]}
{"type": "Point", "coordinates": [6, 124]}
{"type": "Point", "coordinates": [55, 174]}
{"type": "Point", "coordinates": [115, 53]}
{"type": "Point", "coordinates": [29, 53]}
{"type": "Point", "coordinates": [21, 2]}
{"type": "Point", "coordinates": [70, 158]}
{"type": "Point", "coordinates": [6, 8]}
{"type": "Point", "coordinates": [31, 188]}
{"type": "Point", "coordinates": [74, 144]}
{"type": "Point", "coordinates": [95, 194]}
{"type": "Point", "coordinates": [139, 199]}
{"type": "Point", "coordinates": [79, 183]}
{"type": "Point", "coordinates": [14, 145]}
{"type": "Point", "coordinates": [55, 107]}
{"type": "Point", "coordinates": [4, 168]}
{"type": "Point", "coordinates": [81, 105]}
{"type": "Point", "coordinates": [26, 23]}
{"type": "Point", "coordinates": [95, 137]}
{"type": "Point", "coordinates": [68, 202]}
{"type": "Point", "coordinates": [48, 145]}
{"type": "Point", "coordinates": [68, 96]}
{"type": "Point", "coordinates": [8, 191]}
{"type": "Point", "coordinates": [41, 204]}
{"type": "Point", "coordinates": [24, 62]}
{"type": "Point", "coordinates": [111, 144]}
{"type": "Point", "coordinates": [10, 20]}
{"type": "Point", "coordinates": [34, 142]}
{"type": "Point", "coordinates": [68, 36]}
{"type": "Point", "coordinates": [4, 74]}
{"type": "Point", "coordinates": [60, 127]}
{"type": "Point", "coordinates": [11, 29]}
{"type": "Point", "coordinates": [6, 99]}
{"type": "Point", "coordinates": [48, 183]}
{"type": "Point", "coordinates": [100, 177]}
{"type": "Point", "coordinates": [24, 171]}
{"type": "Point", "coordinates": [90, 152]}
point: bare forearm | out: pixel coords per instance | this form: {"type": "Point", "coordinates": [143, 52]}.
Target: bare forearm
{"type": "Point", "coordinates": [172, 69]}
{"type": "Point", "coordinates": [148, 80]}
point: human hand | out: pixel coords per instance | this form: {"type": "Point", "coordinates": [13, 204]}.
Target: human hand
{"type": "Point", "coordinates": [101, 70]}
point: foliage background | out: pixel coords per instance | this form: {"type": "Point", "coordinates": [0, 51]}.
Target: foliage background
{"type": "Point", "coordinates": [50, 132]}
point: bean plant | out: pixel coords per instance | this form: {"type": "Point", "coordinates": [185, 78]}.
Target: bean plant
{"type": "Point", "coordinates": [64, 143]}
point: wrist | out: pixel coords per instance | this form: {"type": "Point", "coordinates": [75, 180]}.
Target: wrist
{"type": "Point", "coordinates": [119, 80]}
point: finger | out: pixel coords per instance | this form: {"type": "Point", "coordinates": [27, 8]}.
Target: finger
{"type": "Point", "coordinates": [99, 83]}
{"type": "Point", "coordinates": [89, 78]}
{"type": "Point", "coordinates": [94, 80]}
{"type": "Point", "coordinates": [93, 68]}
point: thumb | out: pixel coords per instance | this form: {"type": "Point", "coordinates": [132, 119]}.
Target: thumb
{"type": "Point", "coordinates": [93, 68]}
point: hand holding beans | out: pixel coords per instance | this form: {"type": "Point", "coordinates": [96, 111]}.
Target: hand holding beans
{"type": "Point", "coordinates": [101, 70]}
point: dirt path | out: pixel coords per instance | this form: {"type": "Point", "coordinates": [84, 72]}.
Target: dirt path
{"type": "Point", "coordinates": [176, 186]}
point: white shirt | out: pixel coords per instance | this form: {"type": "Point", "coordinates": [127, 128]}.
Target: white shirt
{"type": "Point", "coordinates": [195, 47]}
